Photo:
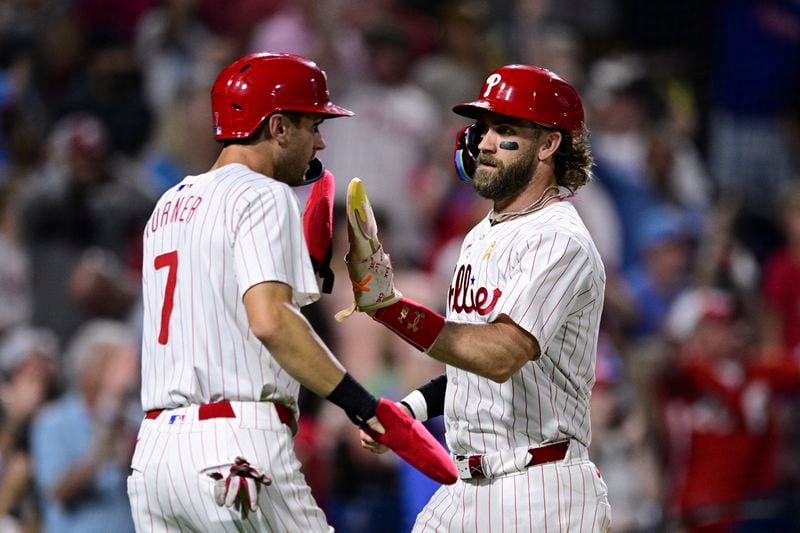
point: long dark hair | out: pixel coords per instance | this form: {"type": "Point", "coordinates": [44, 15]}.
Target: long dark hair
{"type": "Point", "coordinates": [573, 160]}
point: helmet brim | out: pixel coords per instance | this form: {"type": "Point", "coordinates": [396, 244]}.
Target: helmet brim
{"type": "Point", "coordinates": [475, 109]}
{"type": "Point", "coordinates": [472, 109]}
{"type": "Point", "coordinates": [329, 110]}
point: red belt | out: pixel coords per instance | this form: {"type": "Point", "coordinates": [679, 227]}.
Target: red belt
{"type": "Point", "coordinates": [541, 455]}
{"type": "Point", "coordinates": [225, 410]}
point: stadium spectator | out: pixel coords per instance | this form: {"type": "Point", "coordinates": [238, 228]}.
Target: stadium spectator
{"type": "Point", "coordinates": [83, 442]}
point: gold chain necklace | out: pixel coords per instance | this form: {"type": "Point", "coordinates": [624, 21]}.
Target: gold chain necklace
{"type": "Point", "coordinates": [496, 218]}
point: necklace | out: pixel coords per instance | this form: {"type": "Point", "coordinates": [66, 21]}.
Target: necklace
{"type": "Point", "coordinates": [496, 218]}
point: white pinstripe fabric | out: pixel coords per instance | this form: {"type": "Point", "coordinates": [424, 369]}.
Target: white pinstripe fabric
{"type": "Point", "coordinates": [170, 489]}
{"type": "Point", "coordinates": [552, 282]}
{"type": "Point", "coordinates": [247, 229]}
{"type": "Point", "coordinates": [554, 497]}
{"type": "Point", "coordinates": [564, 496]}
{"type": "Point", "coordinates": [223, 231]}
{"type": "Point", "coordinates": [544, 272]}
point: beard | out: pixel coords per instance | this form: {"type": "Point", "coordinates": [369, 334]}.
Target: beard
{"type": "Point", "coordinates": [503, 182]}
{"type": "Point", "coordinates": [290, 168]}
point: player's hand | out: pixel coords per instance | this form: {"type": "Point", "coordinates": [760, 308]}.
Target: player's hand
{"type": "Point", "coordinates": [409, 439]}
{"type": "Point", "coordinates": [371, 444]}
{"type": "Point", "coordinates": [375, 425]}
{"type": "Point", "coordinates": [239, 490]}
{"type": "Point", "coordinates": [370, 268]}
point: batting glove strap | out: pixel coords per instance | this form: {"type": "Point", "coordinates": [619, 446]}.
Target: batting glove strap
{"type": "Point", "coordinates": [357, 402]}
{"type": "Point", "coordinates": [413, 322]}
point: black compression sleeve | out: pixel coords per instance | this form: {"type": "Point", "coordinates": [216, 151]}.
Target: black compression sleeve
{"type": "Point", "coordinates": [357, 402]}
{"type": "Point", "coordinates": [433, 392]}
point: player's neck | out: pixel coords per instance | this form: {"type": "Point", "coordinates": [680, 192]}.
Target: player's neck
{"type": "Point", "coordinates": [541, 191]}
{"type": "Point", "coordinates": [533, 192]}
{"type": "Point", "coordinates": [246, 155]}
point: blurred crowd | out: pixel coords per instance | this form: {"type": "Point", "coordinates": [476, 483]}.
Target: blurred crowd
{"type": "Point", "coordinates": [694, 109]}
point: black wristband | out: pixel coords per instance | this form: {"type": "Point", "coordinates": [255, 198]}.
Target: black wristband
{"type": "Point", "coordinates": [433, 392]}
{"type": "Point", "coordinates": [357, 402]}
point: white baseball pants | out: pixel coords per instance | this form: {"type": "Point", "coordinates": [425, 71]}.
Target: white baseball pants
{"type": "Point", "coordinates": [170, 489]}
{"type": "Point", "coordinates": [564, 496]}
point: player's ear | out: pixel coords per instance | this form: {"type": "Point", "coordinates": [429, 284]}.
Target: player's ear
{"type": "Point", "coordinates": [277, 126]}
{"type": "Point", "coordinates": [551, 141]}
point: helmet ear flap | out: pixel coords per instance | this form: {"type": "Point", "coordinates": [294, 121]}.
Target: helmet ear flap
{"type": "Point", "coordinates": [315, 171]}
{"type": "Point", "coordinates": [466, 152]}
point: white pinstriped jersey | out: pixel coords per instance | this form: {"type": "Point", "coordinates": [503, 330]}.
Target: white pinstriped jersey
{"type": "Point", "coordinates": [544, 272]}
{"type": "Point", "coordinates": [209, 239]}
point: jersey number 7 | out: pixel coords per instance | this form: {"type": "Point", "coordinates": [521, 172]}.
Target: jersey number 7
{"type": "Point", "coordinates": [170, 261]}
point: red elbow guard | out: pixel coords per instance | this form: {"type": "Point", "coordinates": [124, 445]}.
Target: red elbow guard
{"type": "Point", "coordinates": [415, 323]}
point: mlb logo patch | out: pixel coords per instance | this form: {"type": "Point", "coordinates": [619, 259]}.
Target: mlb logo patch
{"type": "Point", "coordinates": [175, 419]}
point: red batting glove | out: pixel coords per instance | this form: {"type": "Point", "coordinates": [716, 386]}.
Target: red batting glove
{"type": "Point", "coordinates": [413, 442]}
{"type": "Point", "coordinates": [318, 228]}
{"type": "Point", "coordinates": [240, 489]}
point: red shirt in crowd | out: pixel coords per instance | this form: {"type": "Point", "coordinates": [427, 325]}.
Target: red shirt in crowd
{"type": "Point", "coordinates": [723, 445]}
{"type": "Point", "coordinates": [781, 290]}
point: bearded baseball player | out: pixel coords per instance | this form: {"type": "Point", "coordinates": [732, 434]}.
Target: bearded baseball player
{"type": "Point", "coordinates": [523, 313]}
{"type": "Point", "coordinates": [225, 348]}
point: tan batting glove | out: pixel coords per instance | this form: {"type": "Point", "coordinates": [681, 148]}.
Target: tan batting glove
{"type": "Point", "coordinates": [370, 268]}
{"type": "Point", "coordinates": [239, 490]}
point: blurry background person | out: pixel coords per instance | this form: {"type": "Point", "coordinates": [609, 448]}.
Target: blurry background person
{"type": "Point", "coordinates": [718, 397]}
{"type": "Point", "coordinates": [663, 269]}
{"type": "Point", "coordinates": [15, 304]}
{"type": "Point", "coordinates": [82, 228]}
{"type": "Point", "coordinates": [781, 282]}
{"type": "Point", "coordinates": [28, 378]}
{"type": "Point", "coordinates": [392, 137]}
{"type": "Point", "coordinates": [622, 446]}
{"type": "Point", "coordinates": [83, 442]}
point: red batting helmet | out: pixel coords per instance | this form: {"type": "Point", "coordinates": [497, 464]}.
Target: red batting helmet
{"type": "Point", "coordinates": [257, 85]}
{"type": "Point", "coordinates": [531, 93]}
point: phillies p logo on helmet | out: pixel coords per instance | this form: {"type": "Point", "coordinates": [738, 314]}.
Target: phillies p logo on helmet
{"type": "Point", "coordinates": [491, 82]}
{"type": "Point", "coordinates": [531, 93]}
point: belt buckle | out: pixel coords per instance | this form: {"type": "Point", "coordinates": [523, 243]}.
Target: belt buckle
{"type": "Point", "coordinates": [462, 465]}
{"type": "Point", "coordinates": [469, 466]}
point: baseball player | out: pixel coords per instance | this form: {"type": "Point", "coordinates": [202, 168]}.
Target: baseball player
{"type": "Point", "coordinates": [225, 348]}
{"type": "Point", "coordinates": [523, 313]}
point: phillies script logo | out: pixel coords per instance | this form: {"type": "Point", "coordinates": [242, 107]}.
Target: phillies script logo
{"type": "Point", "coordinates": [465, 298]}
